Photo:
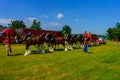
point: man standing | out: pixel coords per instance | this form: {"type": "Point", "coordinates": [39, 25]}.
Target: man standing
{"type": "Point", "coordinates": [8, 47]}
{"type": "Point", "coordinates": [85, 34]}
{"type": "Point", "coordinates": [85, 49]}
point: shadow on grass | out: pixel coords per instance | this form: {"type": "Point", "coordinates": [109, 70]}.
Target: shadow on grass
{"type": "Point", "coordinates": [59, 49]}
{"type": "Point", "coordinates": [17, 54]}
{"type": "Point", "coordinates": [89, 52]}
{"type": "Point", "coordinates": [39, 52]}
{"type": "Point", "coordinates": [76, 48]}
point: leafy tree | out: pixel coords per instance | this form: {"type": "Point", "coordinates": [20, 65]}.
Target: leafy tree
{"type": "Point", "coordinates": [114, 32]}
{"type": "Point", "coordinates": [110, 33]}
{"type": "Point", "coordinates": [118, 25]}
{"type": "Point", "coordinates": [36, 25]}
{"type": "Point", "coordinates": [66, 30]}
{"type": "Point", "coordinates": [17, 24]}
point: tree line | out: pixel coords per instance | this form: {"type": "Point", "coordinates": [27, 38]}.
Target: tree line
{"type": "Point", "coordinates": [114, 32]}
{"type": "Point", "coordinates": [36, 25]}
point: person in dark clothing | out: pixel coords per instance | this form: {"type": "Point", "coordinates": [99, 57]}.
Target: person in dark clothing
{"type": "Point", "coordinates": [28, 35]}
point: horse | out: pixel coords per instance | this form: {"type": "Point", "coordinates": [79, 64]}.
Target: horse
{"type": "Point", "coordinates": [75, 40]}
{"type": "Point", "coordinates": [19, 38]}
{"type": "Point", "coordinates": [50, 40]}
{"type": "Point", "coordinates": [68, 42]}
{"type": "Point", "coordinates": [81, 40]}
{"type": "Point", "coordinates": [59, 40]}
{"type": "Point", "coordinates": [36, 40]}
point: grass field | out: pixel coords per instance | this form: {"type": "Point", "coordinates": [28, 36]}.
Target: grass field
{"type": "Point", "coordinates": [101, 63]}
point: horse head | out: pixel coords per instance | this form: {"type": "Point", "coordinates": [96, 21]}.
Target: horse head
{"type": "Point", "coordinates": [81, 38]}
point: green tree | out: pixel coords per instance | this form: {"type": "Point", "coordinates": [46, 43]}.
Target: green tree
{"type": "Point", "coordinates": [17, 24]}
{"type": "Point", "coordinates": [66, 30]}
{"type": "Point", "coordinates": [118, 25]}
{"type": "Point", "coordinates": [36, 25]}
{"type": "Point", "coordinates": [114, 32]}
{"type": "Point", "coordinates": [110, 33]}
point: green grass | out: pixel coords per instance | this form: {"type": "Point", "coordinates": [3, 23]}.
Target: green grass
{"type": "Point", "coordinates": [101, 63]}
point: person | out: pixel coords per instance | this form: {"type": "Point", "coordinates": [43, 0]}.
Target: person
{"type": "Point", "coordinates": [85, 34]}
{"type": "Point", "coordinates": [8, 47]}
{"type": "Point", "coordinates": [85, 49]}
{"type": "Point", "coordinates": [28, 35]}
{"type": "Point", "coordinates": [89, 36]}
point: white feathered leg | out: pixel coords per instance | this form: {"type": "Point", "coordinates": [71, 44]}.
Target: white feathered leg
{"type": "Point", "coordinates": [29, 51]}
{"type": "Point", "coordinates": [43, 49]}
{"type": "Point", "coordinates": [26, 53]}
{"type": "Point", "coordinates": [66, 46]}
{"type": "Point", "coordinates": [66, 49]}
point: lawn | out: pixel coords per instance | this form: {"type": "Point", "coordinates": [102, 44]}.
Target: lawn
{"type": "Point", "coordinates": [101, 63]}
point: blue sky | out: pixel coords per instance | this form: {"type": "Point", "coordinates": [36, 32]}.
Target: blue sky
{"type": "Point", "coordinates": [94, 16]}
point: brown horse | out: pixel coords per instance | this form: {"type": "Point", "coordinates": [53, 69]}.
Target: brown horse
{"type": "Point", "coordinates": [59, 40]}
{"type": "Point", "coordinates": [50, 40]}
{"type": "Point", "coordinates": [37, 40]}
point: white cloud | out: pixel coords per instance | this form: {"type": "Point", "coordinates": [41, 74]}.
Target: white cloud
{"type": "Point", "coordinates": [45, 16]}
{"type": "Point", "coordinates": [31, 19]}
{"type": "Point", "coordinates": [51, 24]}
{"type": "Point", "coordinates": [55, 24]}
{"type": "Point", "coordinates": [80, 20]}
{"type": "Point", "coordinates": [5, 21]}
{"type": "Point", "coordinates": [60, 15]}
{"type": "Point", "coordinates": [76, 20]}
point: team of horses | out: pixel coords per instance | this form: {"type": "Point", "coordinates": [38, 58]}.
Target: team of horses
{"type": "Point", "coordinates": [52, 40]}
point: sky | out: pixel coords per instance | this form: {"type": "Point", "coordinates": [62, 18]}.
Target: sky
{"type": "Point", "coordinates": [94, 16]}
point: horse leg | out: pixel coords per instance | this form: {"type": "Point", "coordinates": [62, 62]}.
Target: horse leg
{"type": "Point", "coordinates": [66, 46]}
{"type": "Point", "coordinates": [48, 47]}
{"type": "Point", "coordinates": [39, 47]}
{"type": "Point", "coordinates": [77, 44]}
{"type": "Point", "coordinates": [27, 50]}
{"type": "Point", "coordinates": [43, 48]}
{"type": "Point", "coordinates": [71, 46]}
{"type": "Point", "coordinates": [55, 46]}
{"type": "Point", "coordinates": [58, 46]}
{"type": "Point", "coordinates": [26, 53]}
{"type": "Point", "coordinates": [52, 47]}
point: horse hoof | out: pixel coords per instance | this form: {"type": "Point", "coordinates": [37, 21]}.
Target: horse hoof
{"type": "Point", "coordinates": [66, 49]}
{"type": "Point", "coordinates": [25, 54]}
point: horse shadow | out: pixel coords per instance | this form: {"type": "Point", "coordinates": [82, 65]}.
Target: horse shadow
{"type": "Point", "coordinates": [76, 47]}
{"type": "Point", "coordinates": [89, 52]}
{"type": "Point", "coordinates": [18, 54]}
{"type": "Point", "coordinates": [59, 49]}
{"type": "Point", "coordinates": [39, 52]}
